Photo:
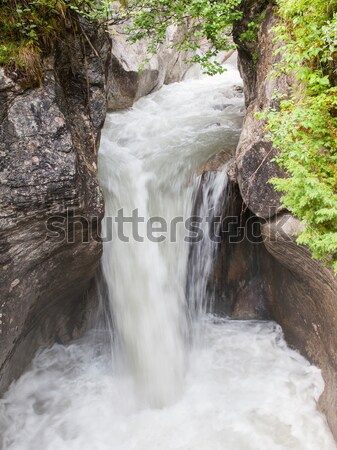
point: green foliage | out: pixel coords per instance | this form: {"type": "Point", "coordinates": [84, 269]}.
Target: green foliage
{"type": "Point", "coordinates": [253, 27]}
{"type": "Point", "coordinates": [250, 35]}
{"type": "Point", "coordinates": [201, 21]}
{"type": "Point", "coordinates": [28, 30]}
{"type": "Point", "coordinates": [304, 127]}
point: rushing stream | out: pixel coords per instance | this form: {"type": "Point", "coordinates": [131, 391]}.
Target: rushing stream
{"type": "Point", "coordinates": [145, 382]}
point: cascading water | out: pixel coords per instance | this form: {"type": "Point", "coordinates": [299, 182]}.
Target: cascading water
{"type": "Point", "coordinates": [148, 157]}
{"type": "Point", "coordinates": [240, 387]}
{"type": "Point", "coordinates": [211, 188]}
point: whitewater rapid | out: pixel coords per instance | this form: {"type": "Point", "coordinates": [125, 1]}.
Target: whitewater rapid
{"type": "Point", "coordinates": [239, 387]}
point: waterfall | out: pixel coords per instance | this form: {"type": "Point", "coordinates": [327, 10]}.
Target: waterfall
{"type": "Point", "coordinates": [209, 195]}
{"type": "Point", "coordinates": [148, 158]}
{"type": "Point", "coordinates": [239, 386]}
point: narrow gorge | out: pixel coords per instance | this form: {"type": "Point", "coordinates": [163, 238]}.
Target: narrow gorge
{"type": "Point", "coordinates": [153, 293]}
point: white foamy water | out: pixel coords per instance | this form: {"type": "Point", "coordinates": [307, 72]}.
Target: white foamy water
{"type": "Point", "coordinates": [239, 388]}
{"type": "Point", "coordinates": [244, 390]}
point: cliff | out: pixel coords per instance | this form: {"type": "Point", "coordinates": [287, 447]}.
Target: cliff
{"type": "Point", "coordinates": [300, 293]}
{"type": "Point", "coordinates": [49, 141]}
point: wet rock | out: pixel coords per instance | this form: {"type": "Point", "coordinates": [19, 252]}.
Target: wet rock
{"type": "Point", "coordinates": [216, 162]}
{"type": "Point", "coordinates": [221, 107]}
{"type": "Point", "coordinates": [49, 138]}
{"type": "Point", "coordinates": [238, 89]}
{"type": "Point", "coordinates": [236, 287]}
{"type": "Point", "coordinates": [302, 298]}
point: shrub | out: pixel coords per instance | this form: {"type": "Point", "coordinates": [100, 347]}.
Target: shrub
{"type": "Point", "coordinates": [304, 129]}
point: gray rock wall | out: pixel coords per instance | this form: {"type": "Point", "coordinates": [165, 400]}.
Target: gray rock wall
{"type": "Point", "coordinates": [236, 287]}
{"type": "Point", "coordinates": [300, 293]}
{"type": "Point", "coordinates": [134, 74]}
{"type": "Point", "coordinates": [49, 138]}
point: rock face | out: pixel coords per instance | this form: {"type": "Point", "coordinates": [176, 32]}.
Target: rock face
{"type": "Point", "coordinates": [300, 293]}
{"type": "Point", "coordinates": [255, 152]}
{"type": "Point", "coordinates": [302, 298]}
{"type": "Point", "coordinates": [48, 151]}
{"type": "Point", "coordinates": [239, 289]}
{"type": "Point", "coordinates": [134, 75]}
{"type": "Point", "coordinates": [308, 310]}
